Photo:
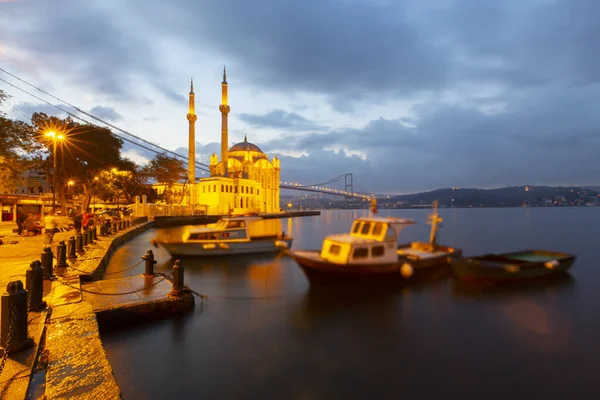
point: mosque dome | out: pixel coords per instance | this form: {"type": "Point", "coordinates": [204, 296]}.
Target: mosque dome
{"type": "Point", "coordinates": [245, 146]}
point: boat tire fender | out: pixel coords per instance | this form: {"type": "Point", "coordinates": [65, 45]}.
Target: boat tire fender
{"type": "Point", "coordinates": [551, 264]}
{"type": "Point", "coordinates": [406, 270]}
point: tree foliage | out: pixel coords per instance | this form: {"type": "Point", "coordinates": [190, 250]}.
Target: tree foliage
{"type": "Point", "coordinates": [85, 151]}
{"type": "Point", "coordinates": [18, 149]}
{"type": "Point", "coordinates": [169, 172]}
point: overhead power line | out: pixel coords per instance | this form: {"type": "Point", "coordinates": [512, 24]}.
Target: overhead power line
{"type": "Point", "coordinates": [198, 164]}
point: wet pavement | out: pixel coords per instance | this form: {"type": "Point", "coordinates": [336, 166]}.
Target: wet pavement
{"type": "Point", "coordinates": [77, 363]}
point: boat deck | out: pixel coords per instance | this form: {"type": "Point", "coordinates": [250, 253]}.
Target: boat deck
{"type": "Point", "coordinates": [419, 254]}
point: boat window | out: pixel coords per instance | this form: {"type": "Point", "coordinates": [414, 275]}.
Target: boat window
{"type": "Point", "coordinates": [365, 228]}
{"type": "Point", "coordinates": [377, 251]}
{"type": "Point", "coordinates": [334, 249]}
{"type": "Point", "coordinates": [377, 228]}
{"type": "Point", "coordinates": [356, 227]}
{"type": "Point", "coordinates": [235, 224]}
{"type": "Point", "coordinates": [360, 252]}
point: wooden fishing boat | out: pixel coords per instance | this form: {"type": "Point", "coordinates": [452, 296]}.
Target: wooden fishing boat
{"type": "Point", "coordinates": [512, 267]}
{"type": "Point", "coordinates": [229, 236]}
{"type": "Point", "coordinates": [370, 251]}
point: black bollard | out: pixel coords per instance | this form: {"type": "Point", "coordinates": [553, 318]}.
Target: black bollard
{"type": "Point", "coordinates": [71, 248]}
{"type": "Point", "coordinates": [34, 282]}
{"type": "Point", "coordinates": [177, 278]}
{"type": "Point", "coordinates": [102, 230]}
{"type": "Point", "coordinates": [94, 233]}
{"type": "Point", "coordinates": [47, 260]}
{"type": "Point", "coordinates": [89, 236]}
{"type": "Point", "coordinates": [114, 227]}
{"type": "Point", "coordinates": [61, 254]}
{"type": "Point", "coordinates": [128, 223]}
{"type": "Point", "coordinates": [13, 325]}
{"type": "Point", "coordinates": [79, 244]}
{"type": "Point", "coordinates": [84, 238]}
{"type": "Point", "coordinates": [149, 263]}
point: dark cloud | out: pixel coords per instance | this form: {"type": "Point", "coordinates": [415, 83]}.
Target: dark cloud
{"type": "Point", "coordinates": [546, 139]}
{"type": "Point", "coordinates": [108, 113]}
{"type": "Point", "coordinates": [24, 111]}
{"type": "Point", "coordinates": [89, 44]}
{"type": "Point", "coordinates": [536, 63]}
{"type": "Point", "coordinates": [280, 119]}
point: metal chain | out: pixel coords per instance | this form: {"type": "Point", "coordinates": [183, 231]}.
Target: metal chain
{"type": "Point", "coordinates": [9, 338]}
{"type": "Point", "coordinates": [126, 269]}
{"type": "Point", "coordinates": [170, 279]}
{"type": "Point", "coordinates": [54, 277]}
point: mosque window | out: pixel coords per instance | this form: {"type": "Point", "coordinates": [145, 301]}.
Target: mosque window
{"type": "Point", "coordinates": [236, 189]}
{"type": "Point", "coordinates": [214, 188]}
{"type": "Point", "coordinates": [251, 190]}
{"type": "Point", "coordinates": [257, 191]}
{"type": "Point", "coordinates": [222, 190]}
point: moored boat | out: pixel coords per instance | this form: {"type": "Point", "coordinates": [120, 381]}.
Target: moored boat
{"type": "Point", "coordinates": [230, 236]}
{"type": "Point", "coordinates": [370, 250]}
{"type": "Point", "coordinates": [512, 267]}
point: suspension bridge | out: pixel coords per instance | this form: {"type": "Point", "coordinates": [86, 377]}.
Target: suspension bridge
{"type": "Point", "coordinates": [348, 191]}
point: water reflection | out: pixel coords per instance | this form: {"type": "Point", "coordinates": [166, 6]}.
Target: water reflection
{"type": "Point", "coordinates": [264, 328]}
{"type": "Point", "coordinates": [548, 285]}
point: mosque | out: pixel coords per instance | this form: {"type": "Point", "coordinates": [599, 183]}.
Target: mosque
{"type": "Point", "coordinates": [243, 181]}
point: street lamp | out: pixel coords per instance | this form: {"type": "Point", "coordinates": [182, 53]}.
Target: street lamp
{"type": "Point", "coordinates": [54, 137]}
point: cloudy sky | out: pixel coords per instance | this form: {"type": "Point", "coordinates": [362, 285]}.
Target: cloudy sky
{"type": "Point", "coordinates": [408, 95]}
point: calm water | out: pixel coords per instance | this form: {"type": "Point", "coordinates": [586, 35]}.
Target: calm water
{"type": "Point", "coordinates": [262, 333]}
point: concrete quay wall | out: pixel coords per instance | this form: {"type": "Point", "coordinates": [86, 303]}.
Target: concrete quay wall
{"type": "Point", "coordinates": [77, 363]}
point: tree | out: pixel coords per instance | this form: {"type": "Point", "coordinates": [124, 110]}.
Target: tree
{"type": "Point", "coordinates": [18, 150]}
{"type": "Point", "coordinates": [85, 151]}
{"type": "Point", "coordinates": [127, 179]}
{"type": "Point", "coordinates": [169, 172]}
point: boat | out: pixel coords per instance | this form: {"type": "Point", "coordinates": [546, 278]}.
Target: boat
{"type": "Point", "coordinates": [230, 236]}
{"type": "Point", "coordinates": [370, 250]}
{"type": "Point", "coordinates": [512, 267]}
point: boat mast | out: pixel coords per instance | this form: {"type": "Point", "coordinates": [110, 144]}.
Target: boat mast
{"type": "Point", "coordinates": [434, 220]}
{"type": "Point", "coordinates": [373, 205]}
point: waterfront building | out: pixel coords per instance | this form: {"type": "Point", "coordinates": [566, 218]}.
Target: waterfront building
{"type": "Point", "coordinates": [243, 181]}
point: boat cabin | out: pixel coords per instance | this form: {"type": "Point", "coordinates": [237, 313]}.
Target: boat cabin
{"type": "Point", "coordinates": [235, 228]}
{"type": "Point", "coordinates": [371, 240]}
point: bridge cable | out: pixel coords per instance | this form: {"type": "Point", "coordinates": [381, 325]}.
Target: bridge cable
{"type": "Point", "coordinates": [198, 164]}
{"type": "Point", "coordinates": [89, 123]}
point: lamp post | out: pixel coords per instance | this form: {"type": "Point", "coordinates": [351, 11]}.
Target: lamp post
{"type": "Point", "coordinates": [54, 137]}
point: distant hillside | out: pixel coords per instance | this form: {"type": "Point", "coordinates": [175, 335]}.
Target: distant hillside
{"type": "Point", "coordinates": [502, 197]}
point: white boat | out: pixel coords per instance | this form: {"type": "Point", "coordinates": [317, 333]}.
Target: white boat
{"type": "Point", "coordinates": [371, 250]}
{"type": "Point", "coordinates": [230, 236]}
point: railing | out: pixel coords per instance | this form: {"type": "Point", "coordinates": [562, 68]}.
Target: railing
{"type": "Point", "coordinates": [158, 210]}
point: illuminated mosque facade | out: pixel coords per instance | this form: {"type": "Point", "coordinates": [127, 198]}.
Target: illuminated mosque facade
{"type": "Point", "coordinates": [243, 181]}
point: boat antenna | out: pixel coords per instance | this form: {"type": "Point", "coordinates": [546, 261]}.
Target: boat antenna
{"type": "Point", "coordinates": [373, 205]}
{"type": "Point", "coordinates": [434, 220]}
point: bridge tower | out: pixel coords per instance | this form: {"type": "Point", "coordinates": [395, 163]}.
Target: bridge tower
{"type": "Point", "coordinates": [349, 187]}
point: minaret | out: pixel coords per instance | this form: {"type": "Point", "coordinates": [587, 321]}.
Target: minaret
{"type": "Point", "coordinates": [224, 108]}
{"type": "Point", "coordinates": [192, 117]}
